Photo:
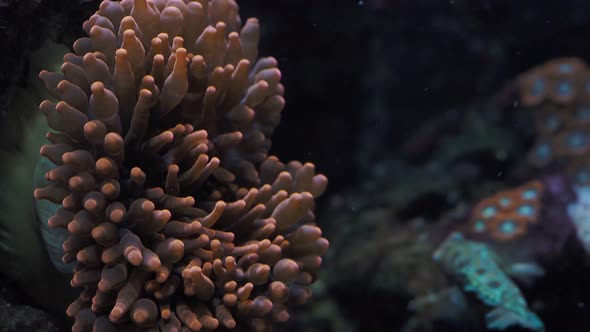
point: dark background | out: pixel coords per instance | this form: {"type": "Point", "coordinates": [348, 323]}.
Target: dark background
{"type": "Point", "coordinates": [434, 54]}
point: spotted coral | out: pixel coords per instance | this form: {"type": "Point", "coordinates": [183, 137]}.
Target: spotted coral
{"type": "Point", "coordinates": [507, 214]}
{"type": "Point", "coordinates": [177, 218]}
{"type": "Point", "coordinates": [559, 81]}
{"type": "Point", "coordinates": [559, 91]}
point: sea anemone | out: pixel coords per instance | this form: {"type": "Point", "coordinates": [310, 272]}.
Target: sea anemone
{"type": "Point", "coordinates": [158, 168]}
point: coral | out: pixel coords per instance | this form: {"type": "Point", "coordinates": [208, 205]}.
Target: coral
{"type": "Point", "coordinates": [559, 91]}
{"type": "Point", "coordinates": [159, 170]}
{"type": "Point", "coordinates": [579, 172]}
{"type": "Point", "coordinates": [559, 81]}
{"type": "Point", "coordinates": [579, 211]}
{"type": "Point", "coordinates": [507, 214]}
{"type": "Point", "coordinates": [477, 270]}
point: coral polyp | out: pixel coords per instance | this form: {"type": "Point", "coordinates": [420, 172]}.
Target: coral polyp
{"type": "Point", "coordinates": [158, 168]}
{"type": "Point", "coordinates": [507, 214]}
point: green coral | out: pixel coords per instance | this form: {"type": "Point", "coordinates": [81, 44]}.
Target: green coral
{"type": "Point", "coordinates": [477, 269]}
